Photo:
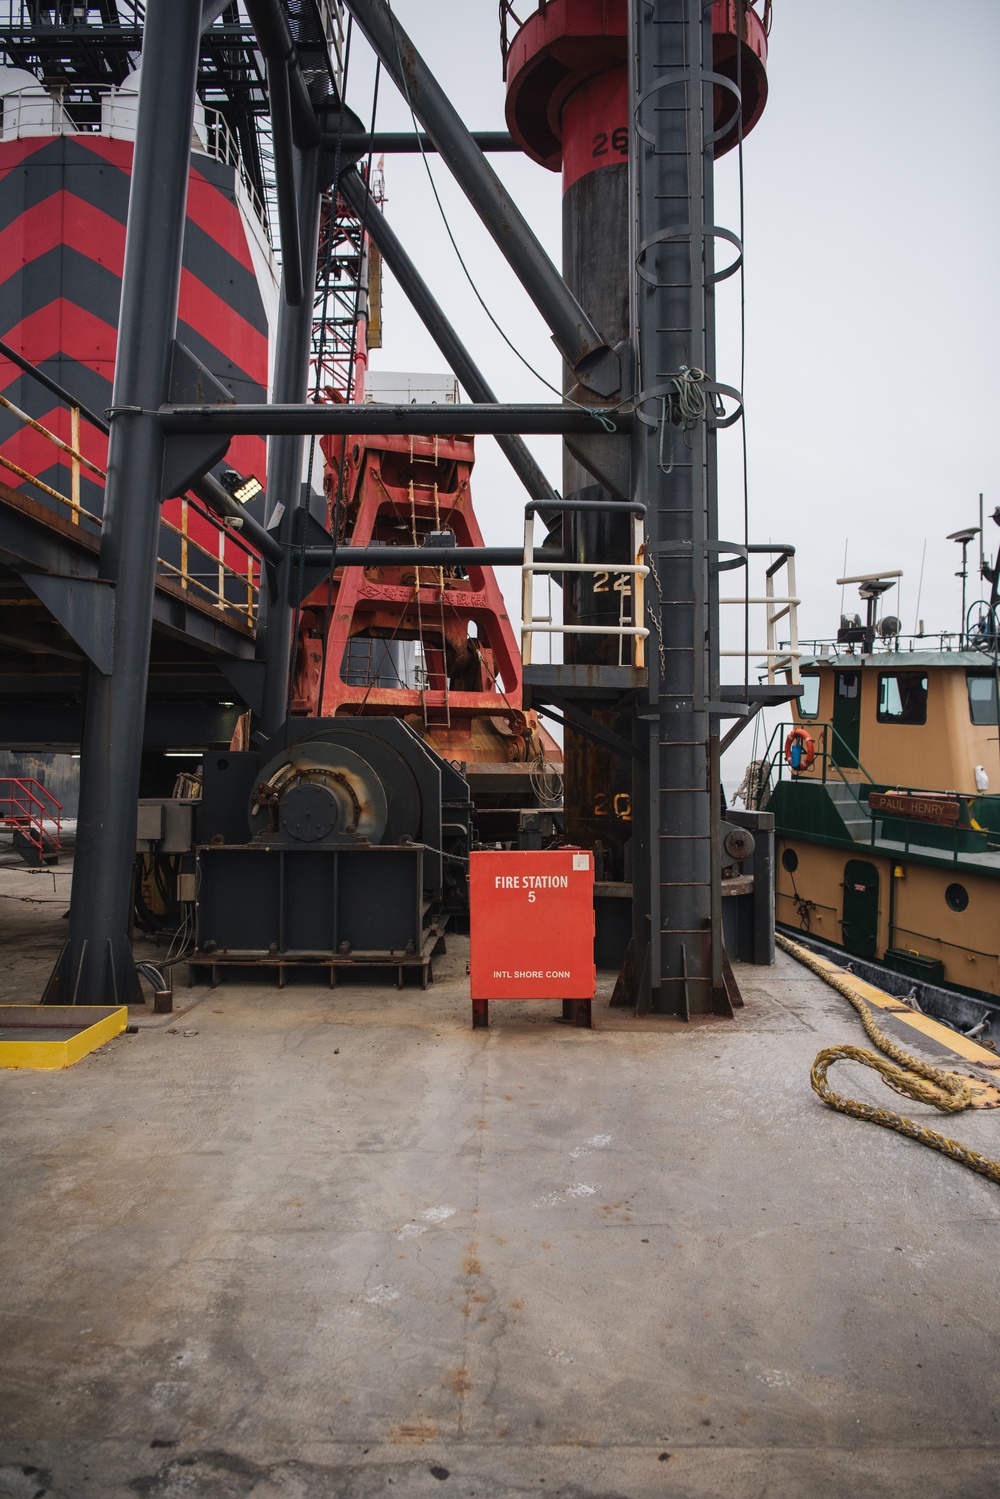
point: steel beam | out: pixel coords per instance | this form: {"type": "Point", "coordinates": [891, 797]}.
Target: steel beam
{"type": "Point", "coordinates": [299, 418]}
{"type": "Point", "coordinates": [440, 329]}
{"type": "Point", "coordinates": [581, 344]}
{"type": "Point", "coordinates": [211, 10]}
{"type": "Point", "coordinates": [286, 492]}
{"type": "Point", "coordinates": [678, 912]}
{"type": "Point", "coordinates": [409, 142]}
{"type": "Point", "coordinates": [429, 556]}
{"type": "Point", "coordinates": [96, 966]}
{"type": "Point", "coordinates": [279, 92]}
{"type": "Point", "coordinates": [209, 490]}
{"type": "Point", "coordinates": [270, 24]}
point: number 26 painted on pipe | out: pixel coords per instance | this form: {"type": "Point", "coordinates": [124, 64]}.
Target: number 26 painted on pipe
{"type": "Point", "coordinates": [619, 142]}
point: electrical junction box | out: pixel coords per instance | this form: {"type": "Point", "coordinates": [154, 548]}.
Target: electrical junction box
{"type": "Point", "coordinates": [165, 824]}
{"type": "Point", "coordinates": [531, 916]}
{"type": "Point", "coordinates": [149, 824]}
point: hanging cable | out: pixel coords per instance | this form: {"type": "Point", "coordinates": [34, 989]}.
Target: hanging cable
{"type": "Point", "coordinates": [604, 420]}
{"type": "Point", "coordinates": [339, 502]}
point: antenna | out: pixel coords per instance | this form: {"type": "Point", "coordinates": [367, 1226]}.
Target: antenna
{"type": "Point", "coordinates": [894, 572]}
{"type": "Point", "coordinates": [920, 588]}
{"type": "Point", "coordinates": [982, 557]}
{"type": "Point", "coordinates": [845, 569]}
{"type": "Point", "coordinates": [873, 585]}
{"type": "Point", "coordinates": [963, 538]}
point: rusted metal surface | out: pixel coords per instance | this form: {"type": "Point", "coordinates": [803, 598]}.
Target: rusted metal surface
{"type": "Point", "coordinates": [463, 692]}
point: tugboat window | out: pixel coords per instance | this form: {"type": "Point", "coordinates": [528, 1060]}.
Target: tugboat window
{"type": "Point", "coordinates": [808, 704]}
{"type": "Point", "coordinates": [982, 698]}
{"type": "Point", "coordinates": [957, 897]}
{"type": "Point", "coordinates": [790, 860]}
{"type": "Point", "coordinates": [902, 697]}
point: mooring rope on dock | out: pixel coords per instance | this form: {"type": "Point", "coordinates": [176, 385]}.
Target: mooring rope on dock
{"type": "Point", "coordinates": [912, 1077]}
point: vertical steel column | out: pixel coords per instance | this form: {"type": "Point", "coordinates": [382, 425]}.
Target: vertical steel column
{"type": "Point", "coordinates": [96, 966]}
{"type": "Point", "coordinates": [595, 238]}
{"type": "Point", "coordinates": [285, 454]}
{"type": "Point", "coordinates": [674, 475]}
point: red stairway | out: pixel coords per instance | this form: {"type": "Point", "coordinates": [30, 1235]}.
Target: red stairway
{"type": "Point", "coordinates": [35, 816]}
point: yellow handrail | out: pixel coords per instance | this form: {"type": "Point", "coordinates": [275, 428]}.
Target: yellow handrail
{"type": "Point", "coordinates": [223, 570]}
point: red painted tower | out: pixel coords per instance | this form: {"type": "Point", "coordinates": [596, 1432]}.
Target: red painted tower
{"type": "Point", "coordinates": [64, 194]}
{"type": "Point", "coordinates": [567, 105]}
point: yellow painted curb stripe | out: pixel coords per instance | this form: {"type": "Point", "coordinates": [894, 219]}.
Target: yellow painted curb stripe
{"type": "Point", "coordinates": [959, 1045]}
{"type": "Point", "coordinates": [47, 1056]}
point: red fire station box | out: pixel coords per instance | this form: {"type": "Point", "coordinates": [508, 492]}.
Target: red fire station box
{"type": "Point", "coordinates": [532, 923]}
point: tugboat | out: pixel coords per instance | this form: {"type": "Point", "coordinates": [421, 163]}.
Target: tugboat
{"type": "Point", "coordinates": [887, 832]}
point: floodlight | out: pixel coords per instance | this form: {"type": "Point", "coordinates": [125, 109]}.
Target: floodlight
{"type": "Point", "coordinates": [242, 489]}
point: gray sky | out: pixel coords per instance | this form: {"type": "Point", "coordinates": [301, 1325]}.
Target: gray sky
{"type": "Point", "coordinates": [871, 287]}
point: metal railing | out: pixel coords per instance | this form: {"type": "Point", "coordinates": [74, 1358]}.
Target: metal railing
{"type": "Point", "coordinates": [331, 17]}
{"type": "Point", "coordinates": [780, 656]}
{"type": "Point", "coordinates": [509, 14]}
{"type": "Point", "coordinates": [27, 806]}
{"type": "Point", "coordinates": [943, 642]}
{"type": "Point", "coordinates": [203, 568]}
{"type": "Point", "coordinates": [828, 745]}
{"type": "Point", "coordinates": [221, 144]}
{"type": "Point", "coordinates": [77, 461]}
{"type": "Point", "coordinates": [110, 111]}
{"type": "Point", "coordinates": [629, 584]}
{"type": "Point", "coordinates": [831, 754]}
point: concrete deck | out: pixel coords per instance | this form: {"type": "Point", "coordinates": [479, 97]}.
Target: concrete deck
{"type": "Point", "coordinates": [339, 1244]}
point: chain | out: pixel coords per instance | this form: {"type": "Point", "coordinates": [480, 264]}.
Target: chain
{"type": "Point", "coordinates": [658, 612]}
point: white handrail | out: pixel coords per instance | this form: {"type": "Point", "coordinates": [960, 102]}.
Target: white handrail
{"type": "Point", "coordinates": [539, 624]}
{"type": "Point", "coordinates": [786, 656]}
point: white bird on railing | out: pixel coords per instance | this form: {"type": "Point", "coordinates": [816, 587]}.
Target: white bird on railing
{"type": "Point", "coordinates": [982, 779]}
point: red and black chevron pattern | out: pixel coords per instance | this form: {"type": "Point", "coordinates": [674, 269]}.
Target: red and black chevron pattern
{"type": "Point", "coordinates": [63, 209]}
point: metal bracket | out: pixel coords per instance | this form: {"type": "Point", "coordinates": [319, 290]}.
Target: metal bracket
{"type": "Point", "coordinates": [85, 607]}
{"type": "Point", "coordinates": [246, 679]}
{"type": "Point", "coordinates": [569, 716]}
{"type": "Point", "coordinates": [188, 458]}
{"type": "Point", "coordinates": [732, 734]}
{"type": "Point", "coordinates": [727, 710]}
{"type": "Point", "coordinates": [305, 573]}
{"type": "Point", "coordinates": [607, 456]}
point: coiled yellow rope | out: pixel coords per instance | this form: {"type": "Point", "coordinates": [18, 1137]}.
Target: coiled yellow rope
{"type": "Point", "coordinates": [912, 1077]}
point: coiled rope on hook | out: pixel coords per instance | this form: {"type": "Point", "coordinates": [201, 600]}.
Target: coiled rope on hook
{"type": "Point", "coordinates": [912, 1077]}
{"type": "Point", "coordinates": [685, 409]}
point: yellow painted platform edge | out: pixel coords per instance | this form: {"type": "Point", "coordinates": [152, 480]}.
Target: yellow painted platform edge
{"type": "Point", "coordinates": [50, 1056]}
{"type": "Point", "coordinates": [970, 1051]}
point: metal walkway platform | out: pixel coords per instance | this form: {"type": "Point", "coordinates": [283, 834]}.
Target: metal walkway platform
{"type": "Point", "coordinates": [55, 619]}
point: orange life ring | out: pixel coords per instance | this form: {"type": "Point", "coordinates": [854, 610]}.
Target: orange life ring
{"type": "Point", "coordinates": [807, 749]}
